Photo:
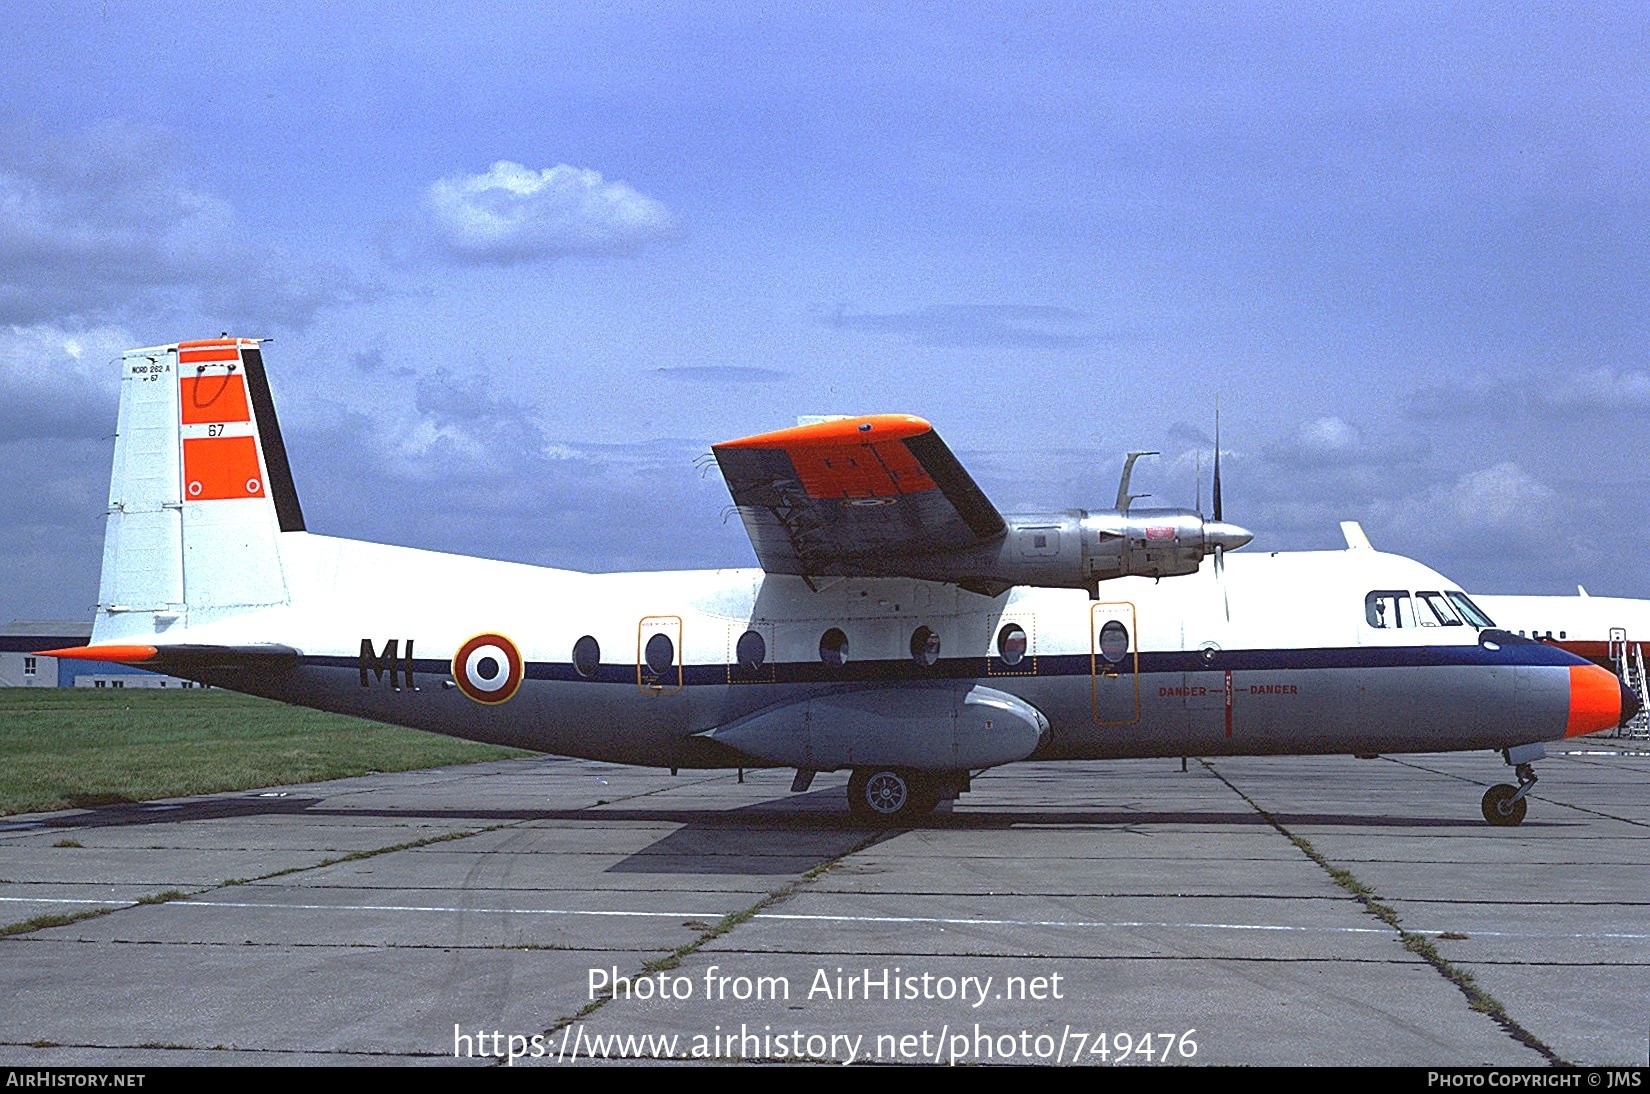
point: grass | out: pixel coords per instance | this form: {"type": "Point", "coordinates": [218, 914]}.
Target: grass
{"type": "Point", "coordinates": [78, 747]}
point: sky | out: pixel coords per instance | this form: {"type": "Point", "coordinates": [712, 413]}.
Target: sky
{"type": "Point", "coordinates": [523, 264]}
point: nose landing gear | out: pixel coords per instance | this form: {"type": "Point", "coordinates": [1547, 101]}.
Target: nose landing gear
{"type": "Point", "coordinates": [1504, 805]}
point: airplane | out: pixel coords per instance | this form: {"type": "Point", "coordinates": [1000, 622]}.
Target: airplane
{"type": "Point", "coordinates": [1603, 629]}
{"type": "Point", "coordinates": [900, 626]}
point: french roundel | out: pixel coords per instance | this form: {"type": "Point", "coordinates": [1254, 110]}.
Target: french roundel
{"type": "Point", "coordinates": [488, 668]}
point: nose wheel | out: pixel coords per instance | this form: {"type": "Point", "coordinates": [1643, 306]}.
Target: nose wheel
{"type": "Point", "coordinates": [1504, 805]}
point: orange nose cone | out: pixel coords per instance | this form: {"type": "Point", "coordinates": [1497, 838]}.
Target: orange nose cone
{"type": "Point", "coordinates": [1595, 700]}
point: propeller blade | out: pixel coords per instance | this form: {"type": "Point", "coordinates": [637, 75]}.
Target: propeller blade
{"type": "Point", "coordinates": [1200, 481]}
{"type": "Point", "coordinates": [1220, 580]}
{"type": "Point", "coordinates": [1218, 516]}
{"type": "Point", "coordinates": [1236, 537]}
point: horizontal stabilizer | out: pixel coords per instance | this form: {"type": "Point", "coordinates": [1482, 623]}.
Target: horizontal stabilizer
{"type": "Point", "coordinates": [181, 658]}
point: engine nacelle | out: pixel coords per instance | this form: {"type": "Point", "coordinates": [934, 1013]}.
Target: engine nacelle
{"type": "Point", "coordinates": [1153, 542]}
{"type": "Point", "coordinates": [1077, 549]}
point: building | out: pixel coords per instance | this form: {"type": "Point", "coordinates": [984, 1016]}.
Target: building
{"type": "Point", "coordinates": [21, 666]}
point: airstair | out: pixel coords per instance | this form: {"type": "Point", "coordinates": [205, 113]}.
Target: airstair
{"type": "Point", "coordinates": [1627, 658]}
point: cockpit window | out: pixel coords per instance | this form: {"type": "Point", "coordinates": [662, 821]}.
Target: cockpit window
{"type": "Point", "coordinates": [1434, 610]}
{"type": "Point", "coordinates": [1471, 612]}
{"type": "Point", "coordinates": [1389, 608]}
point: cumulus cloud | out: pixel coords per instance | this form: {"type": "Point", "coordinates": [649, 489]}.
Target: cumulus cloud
{"type": "Point", "coordinates": [511, 213]}
{"type": "Point", "coordinates": [1319, 445]}
{"type": "Point", "coordinates": [1327, 435]}
{"type": "Point", "coordinates": [107, 224]}
{"type": "Point", "coordinates": [1494, 499]}
{"type": "Point", "coordinates": [1494, 521]}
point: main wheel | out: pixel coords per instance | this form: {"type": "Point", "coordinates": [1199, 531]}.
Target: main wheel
{"type": "Point", "coordinates": [1501, 809]}
{"type": "Point", "coordinates": [888, 795]}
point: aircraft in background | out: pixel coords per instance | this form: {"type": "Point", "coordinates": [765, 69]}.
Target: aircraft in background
{"type": "Point", "coordinates": [900, 626]}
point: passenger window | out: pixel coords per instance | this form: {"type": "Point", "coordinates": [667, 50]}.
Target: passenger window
{"type": "Point", "coordinates": [833, 648]}
{"type": "Point", "coordinates": [660, 654]}
{"type": "Point", "coordinates": [925, 646]}
{"type": "Point", "coordinates": [751, 651]}
{"type": "Point", "coordinates": [1011, 643]}
{"type": "Point", "coordinates": [1114, 641]}
{"type": "Point", "coordinates": [587, 656]}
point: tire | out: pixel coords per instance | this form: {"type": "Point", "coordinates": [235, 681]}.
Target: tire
{"type": "Point", "coordinates": [1499, 807]}
{"type": "Point", "coordinates": [888, 795]}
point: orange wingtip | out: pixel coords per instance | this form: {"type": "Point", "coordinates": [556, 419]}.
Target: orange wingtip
{"type": "Point", "coordinates": [865, 429]}
{"type": "Point", "coordinates": [125, 655]}
{"type": "Point", "coordinates": [1595, 700]}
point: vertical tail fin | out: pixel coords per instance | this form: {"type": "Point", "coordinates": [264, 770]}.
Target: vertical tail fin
{"type": "Point", "coordinates": [200, 494]}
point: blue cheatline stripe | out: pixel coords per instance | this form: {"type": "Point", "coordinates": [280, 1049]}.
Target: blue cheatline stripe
{"type": "Point", "coordinates": [1048, 666]}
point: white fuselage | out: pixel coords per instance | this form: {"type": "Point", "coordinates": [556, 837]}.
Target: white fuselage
{"type": "Point", "coordinates": [1277, 655]}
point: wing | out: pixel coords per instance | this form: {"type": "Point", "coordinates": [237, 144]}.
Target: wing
{"type": "Point", "coordinates": [854, 496]}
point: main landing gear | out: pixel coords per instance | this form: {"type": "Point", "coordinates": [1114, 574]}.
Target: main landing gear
{"type": "Point", "coordinates": [898, 795]}
{"type": "Point", "coordinates": [1504, 805]}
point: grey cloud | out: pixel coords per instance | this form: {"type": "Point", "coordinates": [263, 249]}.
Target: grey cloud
{"type": "Point", "coordinates": [59, 383]}
{"type": "Point", "coordinates": [460, 486]}
{"type": "Point", "coordinates": [371, 361]}
{"type": "Point", "coordinates": [1024, 325]}
{"type": "Point", "coordinates": [1514, 395]}
{"type": "Point", "coordinates": [716, 374]}
{"type": "Point", "coordinates": [106, 225]}
{"type": "Point", "coordinates": [51, 540]}
{"type": "Point", "coordinates": [1599, 390]}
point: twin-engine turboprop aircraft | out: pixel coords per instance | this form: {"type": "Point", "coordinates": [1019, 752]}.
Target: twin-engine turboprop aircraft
{"type": "Point", "coordinates": [900, 626]}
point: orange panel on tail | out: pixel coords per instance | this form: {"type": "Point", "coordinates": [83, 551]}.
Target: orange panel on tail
{"type": "Point", "coordinates": [214, 398]}
{"type": "Point", "coordinates": [215, 468]}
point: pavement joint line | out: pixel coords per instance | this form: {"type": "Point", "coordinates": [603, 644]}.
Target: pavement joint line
{"type": "Point", "coordinates": [1479, 999]}
{"type": "Point", "coordinates": [724, 926]}
{"type": "Point", "coordinates": [46, 922]}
